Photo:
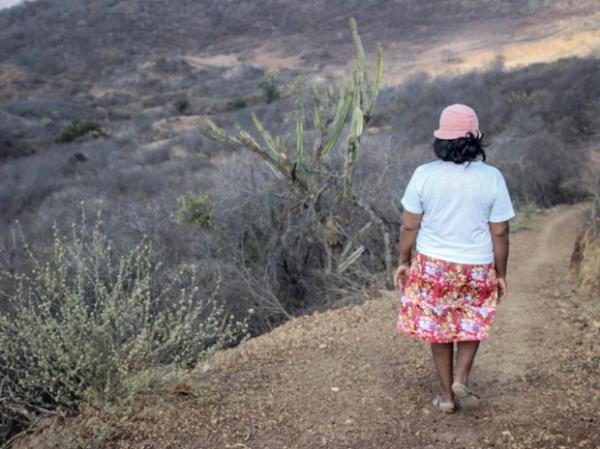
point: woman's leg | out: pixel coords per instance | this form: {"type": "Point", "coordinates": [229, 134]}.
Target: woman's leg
{"type": "Point", "coordinates": [466, 351]}
{"type": "Point", "coordinates": [442, 359]}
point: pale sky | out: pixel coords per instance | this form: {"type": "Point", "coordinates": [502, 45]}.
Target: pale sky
{"type": "Point", "coordinates": [7, 3]}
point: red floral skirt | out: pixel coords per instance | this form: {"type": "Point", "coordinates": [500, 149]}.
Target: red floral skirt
{"type": "Point", "coordinates": [443, 301]}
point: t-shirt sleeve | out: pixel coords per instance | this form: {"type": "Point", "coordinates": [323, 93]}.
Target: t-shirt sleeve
{"type": "Point", "coordinates": [502, 209]}
{"type": "Point", "coordinates": [411, 200]}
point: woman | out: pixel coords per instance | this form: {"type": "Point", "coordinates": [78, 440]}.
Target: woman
{"type": "Point", "coordinates": [457, 210]}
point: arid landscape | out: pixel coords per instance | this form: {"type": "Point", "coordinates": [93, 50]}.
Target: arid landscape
{"type": "Point", "coordinates": [345, 378]}
{"type": "Point", "coordinates": [101, 108]}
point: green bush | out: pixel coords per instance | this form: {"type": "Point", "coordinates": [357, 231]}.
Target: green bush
{"type": "Point", "coordinates": [270, 86]}
{"type": "Point", "coordinates": [79, 128]}
{"type": "Point", "coordinates": [198, 210]}
{"type": "Point", "coordinates": [88, 325]}
{"type": "Point", "coordinates": [235, 104]}
{"type": "Point", "coordinates": [182, 105]}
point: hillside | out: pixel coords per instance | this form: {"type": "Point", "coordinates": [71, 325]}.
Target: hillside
{"type": "Point", "coordinates": [126, 62]}
{"type": "Point", "coordinates": [346, 379]}
{"type": "Point", "coordinates": [149, 72]}
{"type": "Point", "coordinates": [102, 38]}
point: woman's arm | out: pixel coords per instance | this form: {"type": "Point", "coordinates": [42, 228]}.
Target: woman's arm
{"type": "Point", "coordinates": [500, 239]}
{"type": "Point", "coordinates": [408, 235]}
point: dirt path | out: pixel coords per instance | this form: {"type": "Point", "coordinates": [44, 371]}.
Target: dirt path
{"type": "Point", "coordinates": [346, 379]}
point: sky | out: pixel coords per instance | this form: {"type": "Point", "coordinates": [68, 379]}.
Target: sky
{"type": "Point", "coordinates": [7, 3]}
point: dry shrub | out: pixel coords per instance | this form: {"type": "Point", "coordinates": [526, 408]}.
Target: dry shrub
{"type": "Point", "coordinates": [87, 325]}
{"type": "Point", "coordinates": [585, 260]}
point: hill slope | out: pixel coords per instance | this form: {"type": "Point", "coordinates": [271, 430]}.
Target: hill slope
{"type": "Point", "coordinates": [98, 39]}
{"type": "Point", "coordinates": [346, 379]}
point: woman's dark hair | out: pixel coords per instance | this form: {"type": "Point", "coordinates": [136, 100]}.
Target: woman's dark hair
{"type": "Point", "coordinates": [463, 149]}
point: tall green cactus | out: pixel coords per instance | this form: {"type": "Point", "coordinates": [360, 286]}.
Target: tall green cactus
{"type": "Point", "coordinates": [351, 100]}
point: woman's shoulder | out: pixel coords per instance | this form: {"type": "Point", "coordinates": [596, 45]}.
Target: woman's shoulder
{"type": "Point", "coordinates": [429, 166]}
{"type": "Point", "coordinates": [492, 169]}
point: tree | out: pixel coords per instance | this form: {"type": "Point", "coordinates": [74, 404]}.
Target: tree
{"type": "Point", "coordinates": [320, 180]}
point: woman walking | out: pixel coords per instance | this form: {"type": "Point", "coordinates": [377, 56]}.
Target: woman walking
{"type": "Point", "coordinates": [457, 209]}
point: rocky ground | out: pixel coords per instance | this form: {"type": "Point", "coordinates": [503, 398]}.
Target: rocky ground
{"type": "Point", "coordinates": [346, 379]}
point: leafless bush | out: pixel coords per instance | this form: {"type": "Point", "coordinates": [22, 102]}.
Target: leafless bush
{"type": "Point", "coordinates": [538, 121]}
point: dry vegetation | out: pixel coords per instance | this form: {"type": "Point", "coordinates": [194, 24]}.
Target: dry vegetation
{"type": "Point", "coordinates": [346, 379]}
{"type": "Point", "coordinates": [100, 107]}
{"type": "Point", "coordinates": [585, 261]}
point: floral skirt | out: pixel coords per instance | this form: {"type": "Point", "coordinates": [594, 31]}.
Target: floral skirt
{"type": "Point", "coordinates": [443, 302]}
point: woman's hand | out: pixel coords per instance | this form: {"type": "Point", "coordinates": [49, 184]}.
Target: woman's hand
{"type": "Point", "coordinates": [502, 290]}
{"type": "Point", "coordinates": [401, 275]}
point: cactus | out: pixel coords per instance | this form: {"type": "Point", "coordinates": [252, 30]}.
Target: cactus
{"type": "Point", "coordinates": [351, 100]}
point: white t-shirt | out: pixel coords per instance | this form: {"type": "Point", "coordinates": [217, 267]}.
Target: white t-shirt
{"type": "Point", "coordinates": [457, 202]}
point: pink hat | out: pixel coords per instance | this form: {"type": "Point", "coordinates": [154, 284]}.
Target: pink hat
{"type": "Point", "coordinates": [456, 121]}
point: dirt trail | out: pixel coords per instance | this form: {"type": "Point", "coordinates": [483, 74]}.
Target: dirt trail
{"type": "Point", "coordinates": [346, 379]}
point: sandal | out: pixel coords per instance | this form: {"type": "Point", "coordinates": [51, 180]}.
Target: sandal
{"type": "Point", "coordinates": [446, 407]}
{"type": "Point", "coordinates": [462, 391]}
